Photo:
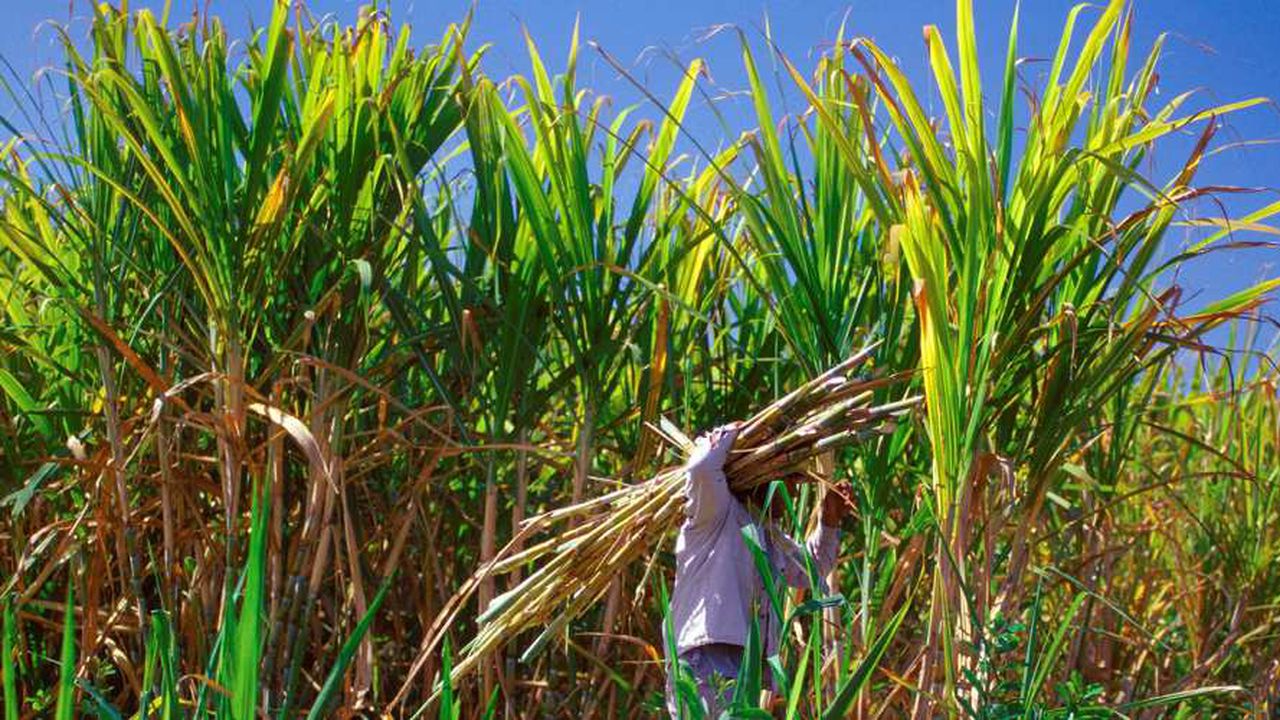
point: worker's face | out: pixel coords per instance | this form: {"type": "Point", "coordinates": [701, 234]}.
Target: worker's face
{"type": "Point", "coordinates": [777, 508]}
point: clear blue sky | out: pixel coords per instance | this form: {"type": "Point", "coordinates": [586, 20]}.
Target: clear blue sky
{"type": "Point", "coordinates": [1227, 48]}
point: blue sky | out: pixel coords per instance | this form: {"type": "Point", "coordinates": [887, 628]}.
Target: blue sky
{"type": "Point", "coordinates": [1225, 48]}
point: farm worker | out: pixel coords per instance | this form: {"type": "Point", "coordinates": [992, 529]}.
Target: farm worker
{"type": "Point", "coordinates": [718, 588]}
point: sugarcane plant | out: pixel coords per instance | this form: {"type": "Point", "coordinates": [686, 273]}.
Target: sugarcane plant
{"type": "Point", "coordinates": [1038, 300]}
{"type": "Point", "coordinates": [219, 207]}
{"type": "Point", "coordinates": [325, 353]}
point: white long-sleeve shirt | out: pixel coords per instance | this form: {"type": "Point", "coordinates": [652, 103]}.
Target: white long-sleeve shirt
{"type": "Point", "coordinates": [717, 585]}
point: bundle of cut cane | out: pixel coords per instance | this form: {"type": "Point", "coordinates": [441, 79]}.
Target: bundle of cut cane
{"type": "Point", "coordinates": [593, 542]}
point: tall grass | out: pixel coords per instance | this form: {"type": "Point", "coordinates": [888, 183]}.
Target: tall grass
{"type": "Point", "coordinates": [298, 329]}
{"type": "Point", "coordinates": [1037, 297]}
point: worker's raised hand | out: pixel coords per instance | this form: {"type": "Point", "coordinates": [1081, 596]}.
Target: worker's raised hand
{"type": "Point", "coordinates": [837, 503]}
{"type": "Point", "coordinates": [712, 449]}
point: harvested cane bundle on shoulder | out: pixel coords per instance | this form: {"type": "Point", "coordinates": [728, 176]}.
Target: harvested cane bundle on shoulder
{"type": "Point", "coordinates": [579, 559]}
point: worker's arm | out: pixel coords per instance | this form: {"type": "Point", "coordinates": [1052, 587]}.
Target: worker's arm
{"type": "Point", "coordinates": [823, 544]}
{"type": "Point", "coordinates": [706, 487]}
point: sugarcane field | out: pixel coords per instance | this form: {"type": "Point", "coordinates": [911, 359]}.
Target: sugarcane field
{"type": "Point", "coordinates": [479, 359]}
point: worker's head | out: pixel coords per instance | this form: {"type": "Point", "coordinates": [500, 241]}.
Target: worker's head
{"type": "Point", "coordinates": [768, 497]}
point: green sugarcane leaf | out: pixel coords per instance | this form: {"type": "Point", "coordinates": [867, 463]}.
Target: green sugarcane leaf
{"type": "Point", "coordinates": [27, 405]}
{"type": "Point", "coordinates": [747, 686]}
{"type": "Point", "coordinates": [66, 690]}
{"type": "Point", "coordinates": [9, 661]}
{"type": "Point", "coordinates": [101, 706]}
{"type": "Point", "coordinates": [333, 681]}
{"type": "Point", "coordinates": [862, 674]}
{"type": "Point", "coordinates": [448, 705]}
